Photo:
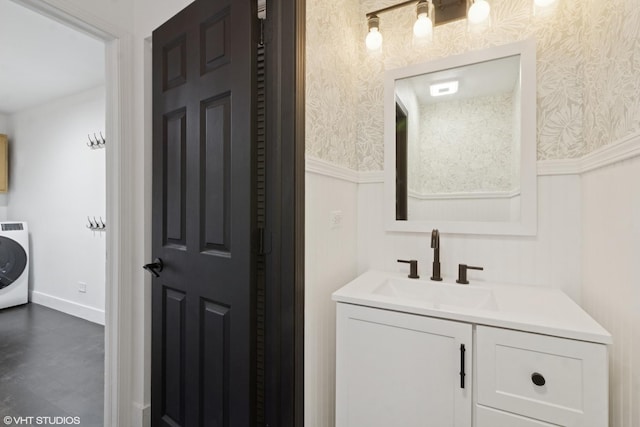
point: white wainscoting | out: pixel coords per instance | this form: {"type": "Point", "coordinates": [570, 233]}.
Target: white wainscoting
{"type": "Point", "coordinates": [330, 263]}
{"type": "Point", "coordinates": [550, 259]}
{"type": "Point", "coordinates": [611, 277]}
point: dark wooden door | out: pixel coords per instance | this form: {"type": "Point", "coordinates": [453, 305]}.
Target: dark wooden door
{"type": "Point", "coordinates": [203, 321]}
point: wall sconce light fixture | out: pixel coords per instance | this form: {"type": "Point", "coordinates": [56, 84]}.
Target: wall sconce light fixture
{"type": "Point", "coordinates": [374, 37]}
{"type": "Point", "coordinates": [431, 13]}
{"type": "Point", "coordinates": [423, 28]}
{"type": "Point", "coordinates": [479, 11]}
{"type": "Point", "coordinates": [428, 14]}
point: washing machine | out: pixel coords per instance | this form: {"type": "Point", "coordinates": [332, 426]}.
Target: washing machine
{"type": "Point", "coordinates": [14, 264]}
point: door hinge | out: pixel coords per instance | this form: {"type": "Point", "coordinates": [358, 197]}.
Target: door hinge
{"type": "Point", "coordinates": [261, 31]}
{"type": "Point", "coordinates": [263, 242]}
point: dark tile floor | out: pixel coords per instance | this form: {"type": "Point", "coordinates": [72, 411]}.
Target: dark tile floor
{"type": "Point", "coordinates": [51, 365]}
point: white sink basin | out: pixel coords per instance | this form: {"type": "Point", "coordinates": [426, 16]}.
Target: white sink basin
{"type": "Point", "coordinates": [526, 308]}
{"type": "Point", "coordinates": [438, 295]}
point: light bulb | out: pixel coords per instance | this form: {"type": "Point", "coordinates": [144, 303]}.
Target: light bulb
{"type": "Point", "coordinates": [374, 39]}
{"type": "Point", "coordinates": [479, 11]}
{"type": "Point", "coordinates": [423, 26]}
{"type": "Point", "coordinates": [544, 3]}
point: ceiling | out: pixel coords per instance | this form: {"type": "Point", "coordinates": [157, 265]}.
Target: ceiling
{"type": "Point", "coordinates": [42, 59]}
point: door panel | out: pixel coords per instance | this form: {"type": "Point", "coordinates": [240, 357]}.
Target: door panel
{"type": "Point", "coordinates": [216, 147]}
{"type": "Point", "coordinates": [215, 361]}
{"type": "Point", "coordinates": [174, 357]}
{"type": "Point", "coordinates": [174, 154]}
{"type": "Point", "coordinates": [203, 314]}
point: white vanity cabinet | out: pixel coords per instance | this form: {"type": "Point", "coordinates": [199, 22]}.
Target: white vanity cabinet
{"type": "Point", "coordinates": [397, 369]}
{"type": "Point", "coordinates": [532, 357]}
{"type": "Point", "coordinates": [400, 369]}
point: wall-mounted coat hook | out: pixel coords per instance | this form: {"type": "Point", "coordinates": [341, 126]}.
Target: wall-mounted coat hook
{"type": "Point", "coordinates": [96, 142]}
{"type": "Point", "coordinates": [96, 225]}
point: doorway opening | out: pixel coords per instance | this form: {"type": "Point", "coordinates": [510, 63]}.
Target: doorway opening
{"type": "Point", "coordinates": [120, 213]}
{"type": "Point", "coordinates": [53, 110]}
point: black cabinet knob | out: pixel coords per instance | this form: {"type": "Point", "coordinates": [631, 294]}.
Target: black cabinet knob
{"type": "Point", "coordinates": [538, 379]}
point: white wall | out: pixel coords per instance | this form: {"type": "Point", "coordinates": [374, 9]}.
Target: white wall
{"type": "Point", "coordinates": [55, 182]}
{"type": "Point", "coordinates": [5, 128]}
{"type": "Point", "coordinates": [4, 124]}
{"type": "Point", "coordinates": [611, 279]}
{"type": "Point", "coordinates": [330, 253]}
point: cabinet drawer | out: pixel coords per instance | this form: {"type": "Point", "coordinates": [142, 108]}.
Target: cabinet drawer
{"type": "Point", "coordinates": [572, 380]}
{"type": "Point", "coordinates": [489, 417]}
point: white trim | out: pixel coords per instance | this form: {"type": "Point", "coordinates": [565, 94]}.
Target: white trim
{"type": "Point", "coordinates": [370, 177]}
{"type": "Point", "coordinates": [82, 311]}
{"type": "Point", "coordinates": [466, 195]}
{"type": "Point", "coordinates": [75, 17]}
{"type": "Point", "coordinates": [558, 167]}
{"type": "Point", "coordinates": [141, 414]}
{"type": "Point", "coordinates": [325, 168]}
{"type": "Point", "coordinates": [322, 167]}
{"type": "Point", "coordinates": [623, 149]}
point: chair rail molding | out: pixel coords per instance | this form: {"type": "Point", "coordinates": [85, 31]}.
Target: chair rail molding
{"type": "Point", "coordinates": [618, 151]}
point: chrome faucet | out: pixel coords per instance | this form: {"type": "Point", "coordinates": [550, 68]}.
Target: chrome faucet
{"type": "Point", "coordinates": [435, 245]}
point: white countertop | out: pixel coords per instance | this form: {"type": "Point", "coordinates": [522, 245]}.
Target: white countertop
{"type": "Point", "coordinates": [525, 308]}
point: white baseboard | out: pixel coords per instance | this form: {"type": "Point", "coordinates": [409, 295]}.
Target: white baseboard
{"type": "Point", "coordinates": [141, 415]}
{"type": "Point", "coordinates": [73, 308]}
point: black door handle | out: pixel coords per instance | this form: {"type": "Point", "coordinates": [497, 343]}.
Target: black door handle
{"type": "Point", "coordinates": [155, 267]}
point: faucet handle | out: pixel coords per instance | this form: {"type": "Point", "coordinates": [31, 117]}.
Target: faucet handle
{"type": "Point", "coordinates": [413, 268]}
{"type": "Point", "coordinates": [462, 273]}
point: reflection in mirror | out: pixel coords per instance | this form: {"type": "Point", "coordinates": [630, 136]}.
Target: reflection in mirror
{"type": "Point", "coordinates": [460, 140]}
{"type": "Point", "coordinates": [462, 145]}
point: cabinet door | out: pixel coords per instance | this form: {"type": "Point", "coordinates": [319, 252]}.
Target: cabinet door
{"type": "Point", "coordinates": [396, 369]}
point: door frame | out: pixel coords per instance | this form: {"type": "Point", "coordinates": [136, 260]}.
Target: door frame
{"type": "Point", "coordinates": [285, 108]}
{"type": "Point", "coordinates": [120, 171]}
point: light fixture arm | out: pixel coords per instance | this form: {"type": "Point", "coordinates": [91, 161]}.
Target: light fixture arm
{"type": "Point", "coordinates": [392, 7]}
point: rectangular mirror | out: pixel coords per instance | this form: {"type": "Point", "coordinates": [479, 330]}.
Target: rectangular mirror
{"type": "Point", "coordinates": [460, 143]}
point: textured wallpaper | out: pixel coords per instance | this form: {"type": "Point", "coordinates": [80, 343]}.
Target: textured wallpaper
{"type": "Point", "coordinates": [465, 146]}
{"type": "Point", "coordinates": [587, 72]}
{"type": "Point", "coordinates": [333, 46]}
{"type": "Point", "coordinates": [611, 38]}
{"type": "Point", "coordinates": [559, 69]}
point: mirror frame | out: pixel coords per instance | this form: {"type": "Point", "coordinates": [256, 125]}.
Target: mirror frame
{"type": "Point", "coordinates": [527, 225]}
